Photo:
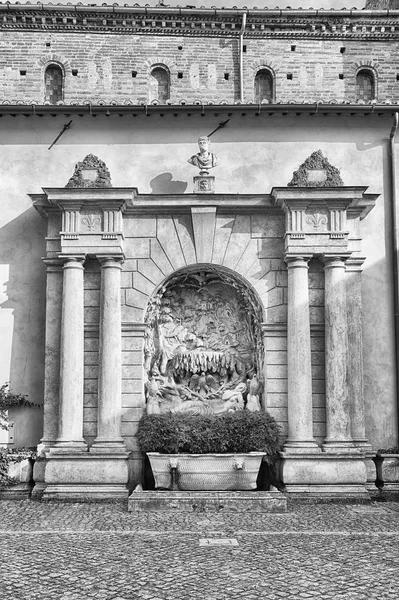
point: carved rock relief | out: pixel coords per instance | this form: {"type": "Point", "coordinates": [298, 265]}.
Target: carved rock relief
{"type": "Point", "coordinates": [203, 346]}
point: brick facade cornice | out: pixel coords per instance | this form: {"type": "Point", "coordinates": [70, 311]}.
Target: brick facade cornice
{"type": "Point", "coordinates": [264, 23]}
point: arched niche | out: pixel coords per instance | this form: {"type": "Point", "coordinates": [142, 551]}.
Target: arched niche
{"type": "Point", "coordinates": [203, 343]}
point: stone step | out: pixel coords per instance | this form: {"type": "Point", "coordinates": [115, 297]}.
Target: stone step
{"type": "Point", "coordinates": [257, 502]}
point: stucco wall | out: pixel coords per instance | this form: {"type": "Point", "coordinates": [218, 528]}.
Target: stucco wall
{"type": "Point", "coordinates": [256, 153]}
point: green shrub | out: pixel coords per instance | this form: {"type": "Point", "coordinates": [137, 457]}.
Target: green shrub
{"type": "Point", "coordinates": [240, 431]}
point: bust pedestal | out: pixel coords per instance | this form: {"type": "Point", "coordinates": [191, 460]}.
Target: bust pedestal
{"type": "Point", "coordinates": [204, 183]}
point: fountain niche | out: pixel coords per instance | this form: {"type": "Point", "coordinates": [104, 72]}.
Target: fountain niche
{"type": "Point", "coordinates": [203, 348]}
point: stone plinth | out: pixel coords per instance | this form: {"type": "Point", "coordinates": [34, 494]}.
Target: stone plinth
{"type": "Point", "coordinates": [255, 502]}
{"type": "Point", "coordinates": [89, 476]}
{"type": "Point", "coordinates": [204, 184]}
{"type": "Point", "coordinates": [325, 474]}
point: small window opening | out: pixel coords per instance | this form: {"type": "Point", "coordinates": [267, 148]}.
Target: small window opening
{"type": "Point", "coordinates": [293, 48]}
{"type": "Point", "coordinates": [342, 49]}
{"type": "Point", "coordinates": [159, 84]}
{"type": "Point", "coordinates": [365, 86]}
{"type": "Point", "coordinates": [180, 47]}
{"type": "Point", "coordinates": [22, 72]}
{"type": "Point", "coordinates": [264, 86]}
{"type": "Point", "coordinates": [397, 76]}
{"type": "Point", "coordinates": [74, 72]}
{"type": "Point", "coordinates": [289, 75]}
{"type": "Point", "coordinates": [244, 48]}
{"type": "Point", "coordinates": [226, 76]}
{"type": "Point", "coordinates": [134, 73]}
{"type": "Point", "coordinates": [341, 75]}
{"type": "Point", "coordinates": [180, 75]}
{"type": "Point", "coordinates": [48, 44]}
{"type": "Point", "coordinates": [53, 83]}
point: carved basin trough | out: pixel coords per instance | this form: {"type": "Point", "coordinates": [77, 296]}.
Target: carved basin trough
{"type": "Point", "coordinates": [206, 472]}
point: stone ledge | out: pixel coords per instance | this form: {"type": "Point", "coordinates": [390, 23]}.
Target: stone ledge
{"type": "Point", "coordinates": [255, 502]}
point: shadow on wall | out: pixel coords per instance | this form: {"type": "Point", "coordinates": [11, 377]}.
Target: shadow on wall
{"type": "Point", "coordinates": [22, 244]}
{"type": "Point", "coordinates": [164, 184]}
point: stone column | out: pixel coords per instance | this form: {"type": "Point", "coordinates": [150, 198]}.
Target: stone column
{"type": "Point", "coordinates": [54, 277]}
{"type": "Point", "coordinates": [355, 350]}
{"type": "Point", "coordinates": [110, 356]}
{"type": "Point", "coordinates": [300, 417]}
{"type": "Point", "coordinates": [70, 429]}
{"type": "Point", "coordinates": [337, 398]}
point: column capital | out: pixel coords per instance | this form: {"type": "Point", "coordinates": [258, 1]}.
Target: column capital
{"type": "Point", "coordinates": [72, 260]}
{"type": "Point", "coordinates": [334, 260]}
{"type": "Point", "coordinates": [111, 260]}
{"type": "Point", "coordinates": [300, 260]}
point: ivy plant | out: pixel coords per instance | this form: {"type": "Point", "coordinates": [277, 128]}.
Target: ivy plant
{"type": "Point", "coordinates": [8, 399]}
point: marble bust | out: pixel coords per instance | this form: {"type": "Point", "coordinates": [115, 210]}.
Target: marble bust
{"type": "Point", "coordinates": [204, 159]}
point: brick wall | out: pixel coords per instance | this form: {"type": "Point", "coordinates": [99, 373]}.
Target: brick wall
{"type": "Point", "coordinates": [201, 68]}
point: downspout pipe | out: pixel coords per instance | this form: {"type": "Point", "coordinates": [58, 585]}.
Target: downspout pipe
{"type": "Point", "coordinates": [241, 57]}
{"type": "Point", "coordinates": [395, 249]}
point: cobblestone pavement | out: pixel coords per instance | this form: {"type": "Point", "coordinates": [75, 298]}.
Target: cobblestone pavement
{"type": "Point", "coordinates": [54, 551]}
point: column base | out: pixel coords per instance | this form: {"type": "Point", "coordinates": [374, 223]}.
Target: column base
{"type": "Point", "coordinates": [301, 447]}
{"type": "Point", "coordinates": [73, 476]}
{"type": "Point", "coordinates": [324, 473]}
{"type": "Point", "coordinates": [101, 446]}
{"type": "Point", "coordinates": [68, 447]}
{"type": "Point", "coordinates": [341, 447]}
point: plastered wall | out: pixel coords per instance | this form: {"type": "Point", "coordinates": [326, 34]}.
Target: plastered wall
{"type": "Point", "coordinates": [256, 153]}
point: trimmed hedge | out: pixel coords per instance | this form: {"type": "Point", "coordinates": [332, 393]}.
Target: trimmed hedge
{"type": "Point", "coordinates": [233, 432]}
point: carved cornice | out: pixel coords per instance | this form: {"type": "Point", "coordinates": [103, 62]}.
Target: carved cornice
{"type": "Point", "coordinates": [347, 24]}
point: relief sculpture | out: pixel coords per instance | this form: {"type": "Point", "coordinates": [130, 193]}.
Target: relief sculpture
{"type": "Point", "coordinates": [203, 347]}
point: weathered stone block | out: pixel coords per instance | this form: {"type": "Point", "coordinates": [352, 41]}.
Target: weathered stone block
{"type": "Point", "coordinates": [318, 372]}
{"type": "Point", "coordinates": [270, 226]}
{"type": "Point", "coordinates": [91, 358]}
{"type": "Point", "coordinates": [126, 279]}
{"type": "Point", "coordinates": [276, 358]}
{"type": "Point", "coordinates": [132, 358]}
{"type": "Point", "coordinates": [92, 297]}
{"type": "Point", "coordinates": [279, 413]}
{"type": "Point", "coordinates": [90, 415]}
{"type": "Point", "coordinates": [138, 226]}
{"type": "Point", "coordinates": [142, 284]}
{"type": "Point", "coordinates": [92, 281]}
{"type": "Point", "coordinates": [276, 343]}
{"type": "Point", "coordinates": [91, 314]}
{"type": "Point", "coordinates": [319, 415]}
{"type": "Point", "coordinates": [132, 343]}
{"type": "Point", "coordinates": [277, 371]}
{"type": "Point", "coordinates": [136, 299]}
{"type": "Point", "coordinates": [133, 401]}
{"type": "Point", "coordinates": [91, 344]}
{"type": "Point", "coordinates": [90, 400]}
{"type": "Point", "coordinates": [160, 263]}
{"type": "Point", "coordinates": [319, 400]}
{"type": "Point", "coordinates": [276, 400]}
{"type": "Point", "coordinates": [271, 248]}
{"type": "Point", "coordinates": [129, 428]}
{"type": "Point", "coordinates": [91, 372]}
{"type": "Point", "coordinates": [132, 314]}
{"type": "Point", "coordinates": [316, 297]}
{"type": "Point", "coordinates": [90, 386]}
{"type": "Point", "coordinates": [137, 248]}
{"type": "Point", "coordinates": [132, 386]}
{"type": "Point", "coordinates": [277, 385]}
{"type": "Point", "coordinates": [132, 372]}
{"type": "Point", "coordinates": [277, 314]}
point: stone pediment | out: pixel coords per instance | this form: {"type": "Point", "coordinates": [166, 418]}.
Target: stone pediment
{"type": "Point", "coordinates": [316, 171]}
